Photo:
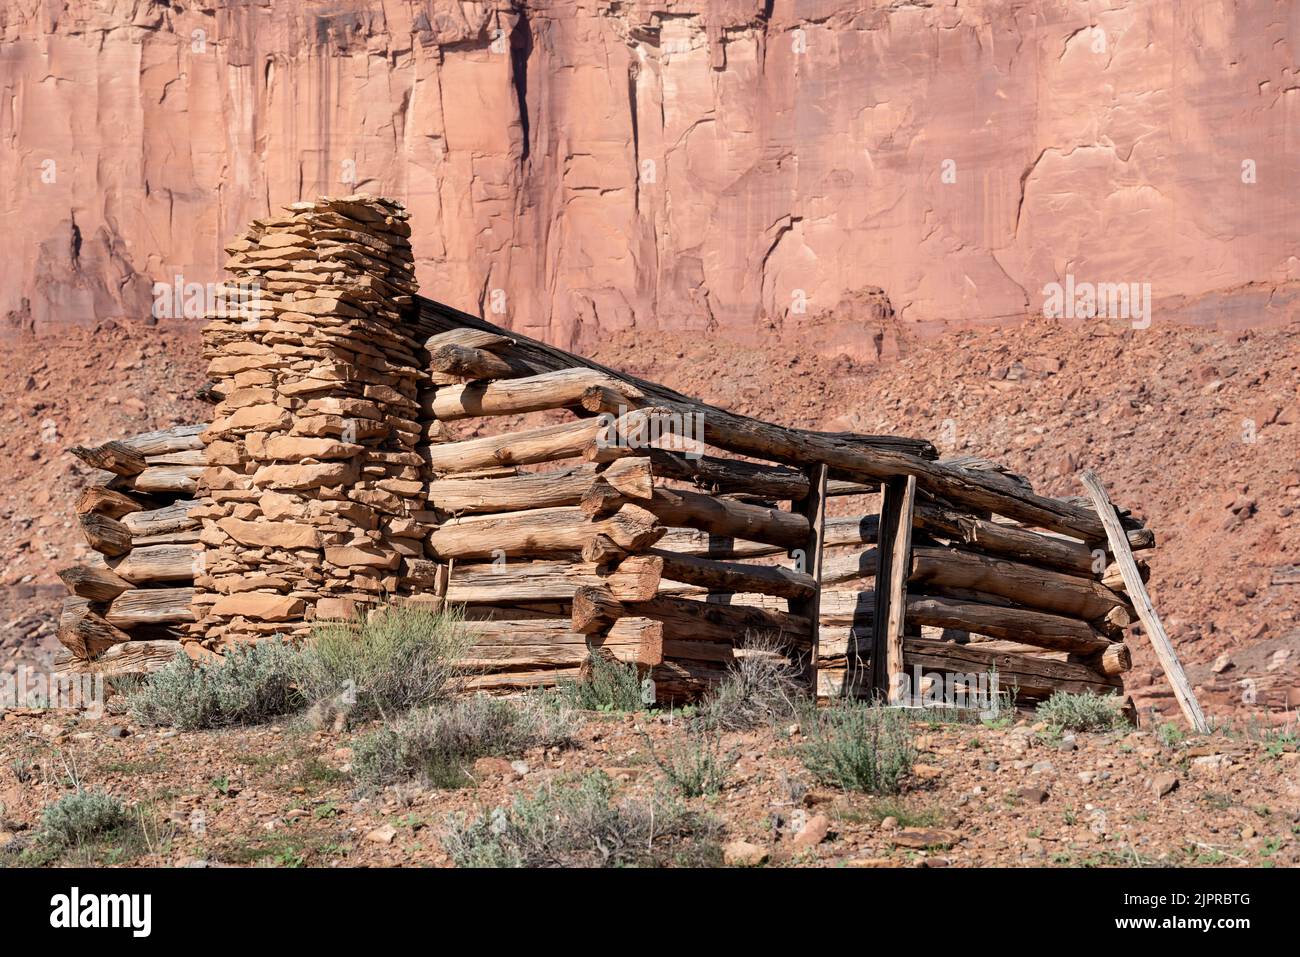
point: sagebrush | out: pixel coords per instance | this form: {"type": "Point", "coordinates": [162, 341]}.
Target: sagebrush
{"type": "Point", "coordinates": [608, 685]}
{"type": "Point", "coordinates": [581, 824]}
{"type": "Point", "coordinates": [1083, 712]}
{"type": "Point", "coordinates": [439, 745]}
{"type": "Point", "coordinates": [400, 657]}
{"type": "Point", "coordinates": [82, 816]}
{"type": "Point", "coordinates": [695, 763]}
{"type": "Point", "coordinates": [858, 747]}
{"type": "Point", "coordinates": [762, 686]}
{"type": "Point", "coordinates": [249, 684]}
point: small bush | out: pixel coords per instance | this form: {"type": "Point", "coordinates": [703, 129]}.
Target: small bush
{"type": "Point", "coordinates": [82, 816]}
{"type": "Point", "coordinates": [1083, 712]}
{"type": "Point", "coordinates": [858, 747]}
{"type": "Point", "coordinates": [251, 683]}
{"type": "Point", "coordinates": [695, 764]}
{"type": "Point", "coordinates": [400, 657]}
{"type": "Point", "coordinates": [609, 686]}
{"type": "Point", "coordinates": [439, 745]}
{"type": "Point", "coordinates": [578, 824]}
{"type": "Point", "coordinates": [761, 687]}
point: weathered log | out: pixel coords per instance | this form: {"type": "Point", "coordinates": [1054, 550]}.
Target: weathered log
{"type": "Point", "coordinates": [514, 643]}
{"type": "Point", "coordinates": [1023, 584]}
{"type": "Point", "coordinates": [188, 457]}
{"type": "Point", "coordinates": [601, 499]}
{"type": "Point", "coordinates": [720, 516]}
{"type": "Point", "coordinates": [635, 579]}
{"type": "Point", "coordinates": [735, 577]}
{"type": "Point", "coordinates": [1031, 677]}
{"type": "Point", "coordinates": [635, 433]}
{"type": "Point", "coordinates": [159, 563]}
{"type": "Point", "coordinates": [519, 680]}
{"type": "Point", "coordinates": [93, 582]}
{"type": "Point", "coordinates": [1146, 611]}
{"type": "Point", "coordinates": [115, 457]}
{"type": "Point", "coordinates": [560, 389]}
{"type": "Point", "coordinates": [1014, 624]}
{"type": "Point", "coordinates": [179, 438]}
{"type": "Point", "coordinates": [837, 569]}
{"type": "Point", "coordinates": [106, 501]}
{"type": "Point", "coordinates": [594, 609]}
{"type": "Point", "coordinates": [168, 479]}
{"type": "Point", "coordinates": [106, 535]}
{"type": "Point", "coordinates": [161, 521]}
{"type": "Point", "coordinates": [151, 606]}
{"type": "Point", "coordinates": [680, 681]}
{"type": "Point", "coordinates": [602, 550]}
{"type": "Point", "coordinates": [84, 631]}
{"type": "Point", "coordinates": [469, 362]}
{"type": "Point", "coordinates": [474, 338]}
{"type": "Point", "coordinates": [539, 532]}
{"type": "Point", "coordinates": [513, 493]}
{"type": "Point", "coordinates": [127, 658]}
{"type": "Point", "coordinates": [897, 504]}
{"type": "Point", "coordinates": [546, 444]}
{"type": "Point", "coordinates": [723, 476]}
{"type": "Point", "coordinates": [684, 618]}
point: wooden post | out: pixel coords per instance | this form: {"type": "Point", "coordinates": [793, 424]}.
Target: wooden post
{"type": "Point", "coordinates": [893, 565]}
{"type": "Point", "coordinates": [813, 508]}
{"type": "Point", "coordinates": [1146, 611]}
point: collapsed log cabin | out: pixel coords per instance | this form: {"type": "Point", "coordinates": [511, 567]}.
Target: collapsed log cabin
{"type": "Point", "coordinates": [371, 445]}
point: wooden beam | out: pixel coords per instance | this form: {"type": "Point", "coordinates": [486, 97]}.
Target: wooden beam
{"type": "Point", "coordinates": [560, 389]}
{"type": "Point", "coordinates": [713, 575]}
{"type": "Point", "coordinates": [106, 535]}
{"type": "Point", "coordinates": [1013, 624]}
{"type": "Point", "coordinates": [539, 532]}
{"type": "Point", "coordinates": [115, 457]}
{"type": "Point", "coordinates": [726, 517]}
{"type": "Point", "coordinates": [731, 476]}
{"type": "Point", "coordinates": [813, 510]}
{"type": "Point", "coordinates": [1146, 611]}
{"type": "Point", "coordinates": [636, 578]}
{"type": "Point", "coordinates": [94, 582]}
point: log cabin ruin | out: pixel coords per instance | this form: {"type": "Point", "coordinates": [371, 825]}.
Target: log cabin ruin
{"type": "Point", "coordinates": [608, 515]}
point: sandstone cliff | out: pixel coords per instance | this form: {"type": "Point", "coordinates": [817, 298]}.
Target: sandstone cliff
{"type": "Point", "coordinates": [866, 171]}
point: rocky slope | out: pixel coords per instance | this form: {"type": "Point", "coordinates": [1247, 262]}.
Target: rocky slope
{"type": "Point", "coordinates": [577, 167]}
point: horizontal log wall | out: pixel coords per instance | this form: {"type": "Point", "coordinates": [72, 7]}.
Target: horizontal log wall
{"type": "Point", "coordinates": [130, 601]}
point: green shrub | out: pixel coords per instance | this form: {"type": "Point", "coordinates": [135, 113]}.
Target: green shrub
{"type": "Point", "coordinates": [1083, 712]}
{"type": "Point", "coordinates": [439, 744]}
{"type": "Point", "coordinates": [579, 824]}
{"type": "Point", "coordinates": [250, 684]}
{"type": "Point", "coordinates": [82, 816]}
{"type": "Point", "coordinates": [858, 747]}
{"type": "Point", "coordinates": [695, 763]}
{"type": "Point", "coordinates": [762, 686]}
{"type": "Point", "coordinates": [400, 657]}
{"type": "Point", "coordinates": [609, 686]}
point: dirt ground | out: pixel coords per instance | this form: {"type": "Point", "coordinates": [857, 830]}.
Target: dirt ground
{"type": "Point", "coordinates": [1010, 792]}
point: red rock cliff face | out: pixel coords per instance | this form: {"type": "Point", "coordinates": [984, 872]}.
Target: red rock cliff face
{"type": "Point", "coordinates": [863, 170]}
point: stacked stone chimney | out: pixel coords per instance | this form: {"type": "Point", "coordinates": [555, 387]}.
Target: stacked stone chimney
{"type": "Point", "coordinates": [313, 473]}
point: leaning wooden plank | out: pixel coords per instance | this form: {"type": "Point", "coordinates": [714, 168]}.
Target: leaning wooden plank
{"type": "Point", "coordinates": [722, 576]}
{"type": "Point", "coordinates": [106, 501]}
{"type": "Point", "coordinates": [159, 563]}
{"type": "Point", "coordinates": [151, 606]}
{"type": "Point", "coordinates": [1013, 624]}
{"type": "Point", "coordinates": [539, 532]}
{"type": "Point", "coordinates": [1142, 602]}
{"type": "Point", "coordinates": [729, 518]}
{"type": "Point", "coordinates": [115, 457]}
{"type": "Point", "coordinates": [1024, 584]}
{"type": "Point", "coordinates": [106, 535]}
{"type": "Point", "coordinates": [94, 582]}
{"type": "Point", "coordinates": [1030, 676]}
{"type": "Point", "coordinates": [128, 658]}
{"type": "Point", "coordinates": [560, 389]}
